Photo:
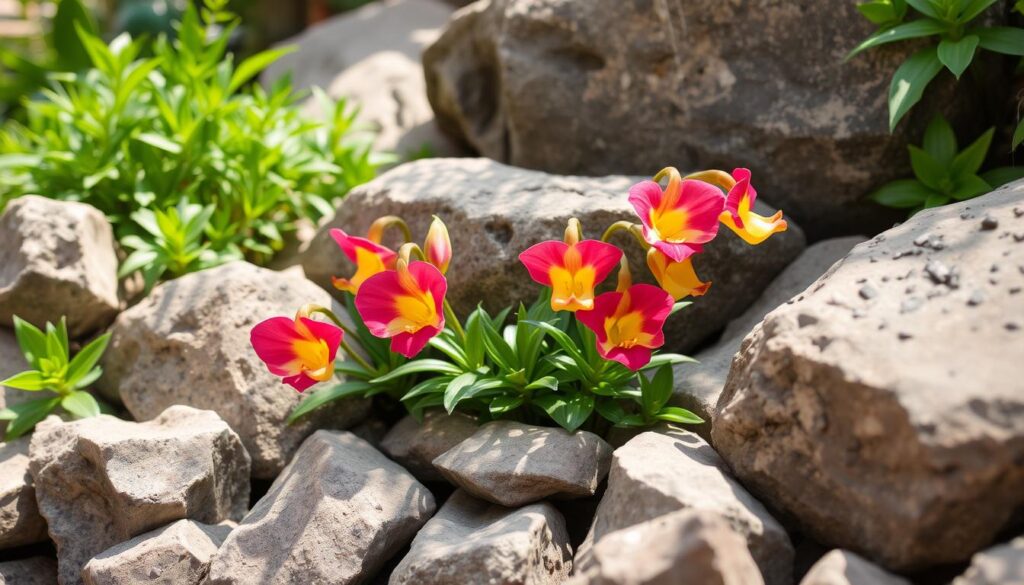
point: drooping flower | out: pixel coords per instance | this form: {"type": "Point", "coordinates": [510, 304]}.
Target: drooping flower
{"type": "Point", "coordinates": [679, 219]}
{"type": "Point", "coordinates": [679, 279]}
{"type": "Point", "coordinates": [571, 270]}
{"type": "Point", "coordinates": [628, 325]}
{"type": "Point", "coordinates": [300, 350]}
{"type": "Point", "coordinates": [740, 217]}
{"type": "Point", "coordinates": [438, 246]}
{"type": "Point", "coordinates": [369, 257]}
{"type": "Point", "coordinates": [405, 305]}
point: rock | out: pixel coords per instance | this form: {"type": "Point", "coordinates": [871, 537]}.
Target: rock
{"type": "Point", "coordinates": [876, 426]}
{"type": "Point", "coordinates": [372, 430]}
{"type": "Point", "coordinates": [336, 513]}
{"type": "Point", "coordinates": [57, 258]}
{"type": "Point", "coordinates": [655, 474]}
{"type": "Point", "coordinates": [564, 86]}
{"type": "Point", "coordinates": [20, 522]}
{"type": "Point", "coordinates": [12, 361]}
{"type": "Point", "coordinates": [470, 541]}
{"type": "Point", "coordinates": [32, 571]}
{"type": "Point", "coordinates": [686, 546]}
{"type": "Point", "coordinates": [494, 212]}
{"type": "Point", "coordinates": [188, 343]}
{"type": "Point", "coordinates": [415, 445]}
{"type": "Point", "coordinates": [999, 565]}
{"type": "Point", "coordinates": [841, 567]}
{"type": "Point", "coordinates": [371, 56]}
{"type": "Point", "coordinates": [699, 385]}
{"type": "Point", "coordinates": [100, 481]}
{"type": "Point", "coordinates": [177, 554]}
{"type": "Point", "coordinates": [512, 464]}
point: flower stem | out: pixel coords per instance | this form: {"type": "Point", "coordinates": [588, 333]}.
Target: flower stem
{"type": "Point", "coordinates": [357, 358]}
{"type": "Point", "coordinates": [330, 315]}
{"type": "Point", "coordinates": [453, 320]}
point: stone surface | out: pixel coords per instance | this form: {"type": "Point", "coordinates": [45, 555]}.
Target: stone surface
{"type": "Point", "coordinates": [20, 522]}
{"type": "Point", "coordinates": [177, 554]}
{"type": "Point", "coordinates": [699, 385]}
{"type": "Point", "coordinates": [512, 464]}
{"type": "Point", "coordinates": [336, 514]}
{"type": "Point", "coordinates": [999, 565]}
{"type": "Point", "coordinates": [100, 481]}
{"type": "Point", "coordinates": [372, 57]}
{"type": "Point", "coordinates": [494, 212]}
{"type": "Point", "coordinates": [57, 258]}
{"type": "Point", "coordinates": [842, 567]}
{"type": "Point", "coordinates": [878, 421]}
{"type": "Point", "coordinates": [33, 571]}
{"type": "Point", "coordinates": [472, 542]}
{"type": "Point", "coordinates": [188, 343]}
{"type": "Point", "coordinates": [603, 86]}
{"type": "Point", "coordinates": [415, 445]}
{"type": "Point", "coordinates": [686, 546]}
{"type": "Point", "coordinates": [655, 474]}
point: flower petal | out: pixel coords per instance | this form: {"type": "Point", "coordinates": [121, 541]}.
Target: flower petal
{"type": "Point", "coordinates": [603, 257]}
{"type": "Point", "coordinates": [633, 358]}
{"type": "Point", "coordinates": [645, 196]}
{"type": "Point", "coordinates": [300, 382]}
{"type": "Point", "coordinates": [329, 332]}
{"type": "Point", "coordinates": [540, 258]}
{"type": "Point", "coordinates": [349, 244]}
{"type": "Point", "coordinates": [273, 341]}
{"type": "Point", "coordinates": [410, 344]}
{"type": "Point", "coordinates": [594, 319]}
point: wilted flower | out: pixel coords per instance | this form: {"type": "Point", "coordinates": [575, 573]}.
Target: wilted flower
{"type": "Point", "coordinates": [405, 305]}
{"type": "Point", "coordinates": [571, 270]}
{"type": "Point", "coordinates": [300, 350]}
{"type": "Point", "coordinates": [679, 279]}
{"type": "Point", "coordinates": [628, 325]}
{"type": "Point", "coordinates": [369, 257]}
{"type": "Point", "coordinates": [739, 216]}
{"type": "Point", "coordinates": [679, 219]}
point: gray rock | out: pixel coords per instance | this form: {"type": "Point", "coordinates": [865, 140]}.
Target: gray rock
{"type": "Point", "coordinates": [512, 464]}
{"type": "Point", "coordinates": [876, 428]}
{"type": "Point", "coordinates": [473, 542]}
{"type": "Point", "coordinates": [842, 567]}
{"type": "Point", "coordinates": [57, 258]}
{"type": "Point", "coordinates": [33, 571]}
{"type": "Point", "coordinates": [494, 212]}
{"type": "Point", "coordinates": [415, 445]}
{"type": "Point", "coordinates": [100, 481]}
{"type": "Point", "coordinates": [188, 343]}
{"type": "Point", "coordinates": [699, 385]}
{"type": "Point", "coordinates": [998, 565]}
{"type": "Point", "coordinates": [687, 546]}
{"type": "Point", "coordinates": [336, 514]}
{"type": "Point", "coordinates": [177, 554]}
{"type": "Point", "coordinates": [655, 474]}
{"type": "Point", "coordinates": [20, 522]}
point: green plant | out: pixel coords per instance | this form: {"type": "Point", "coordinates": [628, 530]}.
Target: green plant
{"type": "Point", "coordinates": [946, 21]}
{"type": "Point", "coordinates": [52, 371]}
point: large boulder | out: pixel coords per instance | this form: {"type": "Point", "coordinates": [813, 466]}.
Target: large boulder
{"type": "Point", "coordinates": [999, 565]}
{"type": "Point", "coordinates": [494, 212]}
{"type": "Point", "coordinates": [473, 542]}
{"type": "Point", "coordinates": [57, 258]}
{"type": "Point", "coordinates": [100, 481]}
{"type": "Point", "coordinates": [699, 385]}
{"type": "Point", "coordinates": [415, 445]}
{"type": "Point", "coordinates": [20, 522]}
{"type": "Point", "coordinates": [31, 571]}
{"type": "Point", "coordinates": [842, 567]}
{"type": "Point", "coordinates": [336, 514]}
{"type": "Point", "coordinates": [885, 404]}
{"type": "Point", "coordinates": [188, 343]}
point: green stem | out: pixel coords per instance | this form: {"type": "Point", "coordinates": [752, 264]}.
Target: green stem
{"type": "Point", "coordinates": [330, 315]}
{"type": "Point", "coordinates": [453, 321]}
{"type": "Point", "coordinates": [356, 358]}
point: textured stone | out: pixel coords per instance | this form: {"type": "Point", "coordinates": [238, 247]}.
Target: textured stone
{"type": "Point", "coordinates": [33, 571]}
{"type": "Point", "coordinates": [336, 514]}
{"type": "Point", "coordinates": [512, 464]}
{"type": "Point", "coordinates": [841, 567]}
{"type": "Point", "coordinates": [999, 565]}
{"type": "Point", "coordinates": [188, 343]}
{"type": "Point", "coordinates": [100, 481]}
{"type": "Point", "coordinates": [177, 554]}
{"type": "Point", "coordinates": [473, 542]}
{"type": "Point", "coordinates": [57, 258]}
{"type": "Point", "coordinates": [877, 423]}
{"type": "Point", "coordinates": [698, 386]}
{"type": "Point", "coordinates": [415, 445]}
{"type": "Point", "coordinates": [20, 522]}
{"type": "Point", "coordinates": [494, 212]}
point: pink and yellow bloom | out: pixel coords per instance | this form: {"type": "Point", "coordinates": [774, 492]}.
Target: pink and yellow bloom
{"type": "Point", "coordinates": [739, 216]}
{"type": "Point", "coordinates": [628, 325]}
{"type": "Point", "coordinates": [438, 246]}
{"type": "Point", "coordinates": [571, 270]}
{"type": "Point", "coordinates": [368, 255]}
{"type": "Point", "coordinates": [680, 219]}
{"type": "Point", "coordinates": [300, 350]}
{"type": "Point", "coordinates": [405, 305]}
{"type": "Point", "coordinates": [678, 279]}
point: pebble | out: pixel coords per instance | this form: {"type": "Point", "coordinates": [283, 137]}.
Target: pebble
{"type": "Point", "coordinates": [977, 297]}
{"type": "Point", "coordinates": [868, 292]}
{"type": "Point", "coordinates": [989, 223]}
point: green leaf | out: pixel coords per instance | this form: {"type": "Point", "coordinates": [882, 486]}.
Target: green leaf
{"type": "Point", "coordinates": [1002, 175]}
{"type": "Point", "coordinates": [83, 363]}
{"type": "Point", "coordinates": [27, 414]}
{"type": "Point", "coordinates": [926, 7]}
{"type": "Point", "coordinates": [902, 194]}
{"type": "Point", "coordinates": [157, 141]}
{"type": "Point", "coordinates": [927, 170]}
{"type": "Point", "coordinates": [940, 141]}
{"type": "Point", "coordinates": [1007, 40]}
{"type": "Point", "coordinates": [969, 187]}
{"type": "Point", "coordinates": [970, 159]}
{"type": "Point", "coordinates": [565, 342]}
{"type": "Point", "coordinates": [678, 415]}
{"type": "Point", "coordinates": [909, 81]}
{"type": "Point", "coordinates": [546, 382]}
{"type": "Point", "coordinates": [568, 413]}
{"type": "Point", "coordinates": [30, 380]}
{"type": "Point", "coordinates": [661, 359]}
{"type": "Point", "coordinates": [878, 12]}
{"type": "Point", "coordinates": [325, 395]}
{"type": "Point", "coordinates": [973, 9]}
{"type": "Point", "coordinates": [137, 260]}
{"type": "Point", "coordinates": [458, 390]}
{"type": "Point", "coordinates": [1018, 135]}
{"type": "Point", "coordinates": [502, 404]}
{"type": "Point", "coordinates": [936, 200]}
{"type": "Point", "coordinates": [957, 55]}
{"type": "Point", "coordinates": [86, 380]}
{"type": "Point", "coordinates": [81, 404]}
{"type": "Point", "coordinates": [254, 65]}
{"type": "Point", "coordinates": [417, 367]}
{"type": "Point", "coordinates": [679, 307]}
{"type": "Point", "coordinates": [428, 386]}
{"type": "Point", "coordinates": [911, 30]}
{"type": "Point", "coordinates": [71, 53]}
{"type": "Point", "coordinates": [655, 393]}
{"type": "Point", "coordinates": [31, 340]}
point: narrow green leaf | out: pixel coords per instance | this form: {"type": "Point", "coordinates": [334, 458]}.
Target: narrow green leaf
{"type": "Point", "coordinates": [654, 393]}
{"type": "Point", "coordinates": [27, 414]}
{"type": "Point", "coordinates": [877, 12]}
{"type": "Point", "coordinates": [569, 413]}
{"type": "Point", "coordinates": [31, 380]}
{"type": "Point", "coordinates": [902, 194]}
{"type": "Point", "coordinates": [926, 7]}
{"type": "Point", "coordinates": [83, 363]}
{"type": "Point", "coordinates": [661, 359]}
{"type": "Point", "coordinates": [565, 342]}
{"type": "Point", "coordinates": [254, 65]}
{"type": "Point", "coordinates": [970, 159]}
{"type": "Point", "coordinates": [71, 53]}
{"type": "Point", "coordinates": [458, 389]}
{"type": "Point", "coordinates": [1007, 40]}
{"type": "Point", "coordinates": [81, 404]}
{"type": "Point", "coordinates": [970, 187]}
{"type": "Point", "coordinates": [940, 140]}
{"type": "Point", "coordinates": [419, 366]}
{"type": "Point", "coordinates": [429, 386]}
{"type": "Point", "coordinates": [1018, 135]}
{"type": "Point", "coordinates": [678, 415]}
{"type": "Point", "coordinates": [157, 141]}
{"type": "Point", "coordinates": [1000, 176]}
{"type": "Point", "coordinates": [31, 340]}
{"type": "Point", "coordinates": [927, 170]}
{"type": "Point", "coordinates": [973, 9]}
{"type": "Point", "coordinates": [679, 307]}
{"type": "Point", "coordinates": [137, 260]}
{"type": "Point", "coordinates": [910, 30]}
{"type": "Point", "coordinates": [325, 395]}
{"type": "Point", "coordinates": [502, 404]}
{"type": "Point", "coordinates": [909, 81]}
{"type": "Point", "coordinates": [957, 55]}
{"type": "Point", "coordinates": [546, 382]}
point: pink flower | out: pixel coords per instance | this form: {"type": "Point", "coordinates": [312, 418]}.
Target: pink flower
{"type": "Point", "coordinates": [739, 216]}
{"type": "Point", "coordinates": [680, 219]}
{"type": "Point", "coordinates": [369, 257]}
{"type": "Point", "coordinates": [300, 350]}
{"type": "Point", "coordinates": [405, 305]}
{"type": "Point", "coordinates": [571, 270]}
{"type": "Point", "coordinates": [628, 325]}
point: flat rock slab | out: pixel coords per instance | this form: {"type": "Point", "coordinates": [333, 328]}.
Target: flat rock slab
{"type": "Point", "coordinates": [842, 567]}
{"type": "Point", "coordinates": [655, 474]}
{"type": "Point", "coordinates": [512, 464]}
{"type": "Point", "coordinates": [416, 444]}
{"type": "Point", "coordinates": [101, 481]}
{"type": "Point", "coordinates": [885, 403]}
{"type": "Point", "coordinates": [20, 522]}
{"type": "Point", "coordinates": [494, 212]}
{"type": "Point", "coordinates": [335, 515]}
{"type": "Point", "coordinates": [999, 565]}
{"type": "Point", "coordinates": [177, 554]}
{"type": "Point", "coordinates": [57, 258]}
{"type": "Point", "coordinates": [188, 343]}
{"type": "Point", "coordinates": [33, 571]}
{"type": "Point", "coordinates": [473, 542]}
